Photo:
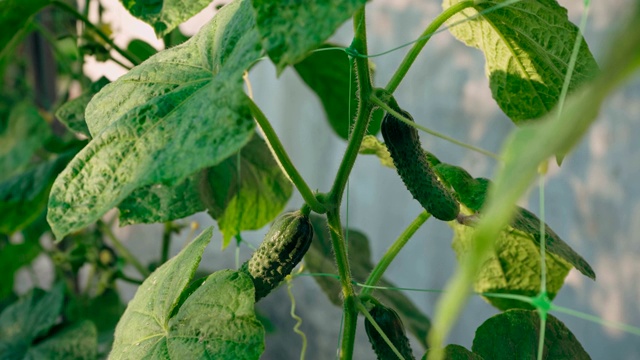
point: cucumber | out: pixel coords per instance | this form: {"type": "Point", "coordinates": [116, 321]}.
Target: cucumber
{"type": "Point", "coordinates": [282, 249]}
{"type": "Point", "coordinates": [414, 168]}
{"type": "Point", "coordinates": [390, 323]}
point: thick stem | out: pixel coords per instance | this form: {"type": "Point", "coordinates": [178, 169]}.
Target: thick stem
{"type": "Point", "coordinates": [342, 261]}
{"type": "Point", "coordinates": [365, 108]}
{"type": "Point", "coordinates": [283, 159]}
{"type": "Point", "coordinates": [68, 8]}
{"type": "Point", "coordinates": [424, 38]}
{"type": "Point", "coordinates": [392, 252]}
{"type": "Point", "coordinates": [166, 241]}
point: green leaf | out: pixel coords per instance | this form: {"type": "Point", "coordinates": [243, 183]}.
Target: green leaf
{"type": "Point", "coordinates": [16, 15]}
{"type": "Point", "coordinates": [514, 335]}
{"type": "Point", "coordinates": [141, 49]}
{"type": "Point", "coordinates": [12, 258]}
{"type": "Point", "coordinates": [330, 75]}
{"type": "Point", "coordinates": [319, 259]}
{"type": "Point", "coordinates": [76, 341]}
{"type": "Point", "coordinates": [529, 223]}
{"type": "Point", "coordinates": [104, 311]}
{"type": "Point", "coordinates": [28, 318]}
{"type": "Point", "coordinates": [23, 197]}
{"type": "Point", "coordinates": [25, 132]}
{"type": "Point", "coordinates": [246, 192]}
{"type": "Point", "coordinates": [514, 267]}
{"type": "Point", "coordinates": [160, 203]}
{"type": "Point", "coordinates": [456, 352]}
{"type": "Point", "coordinates": [527, 59]}
{"type": "Point", "coordinates": [164, 15]}
{"type": "Point", "coordinates": [291, 29]}
{"type": "Point", "coordinates": [182, 110]}
{"type": "Point", "coordinates": [71, 113]}
{"type": "Point", "coordinates": [245, 199]}
{"type": "Point", "coordinates": [216, 321]}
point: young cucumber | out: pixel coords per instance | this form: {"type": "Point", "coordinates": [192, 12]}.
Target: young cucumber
{"type": "Point", "coordinates": [413, 167]}
{"type": "Point", "coordinates": [390, 323]}
{"type": "Point", "coordinates": [282, 249]}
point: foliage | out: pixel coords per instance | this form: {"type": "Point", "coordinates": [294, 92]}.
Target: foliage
{"type": "Point", "coordinates": [177, 135]}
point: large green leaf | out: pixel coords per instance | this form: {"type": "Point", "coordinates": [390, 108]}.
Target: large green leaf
{"type": "Point", "coordinates": [514, 335]}
{"type": "Point", "coordinates": [182, 110]}
{"type": "Point", "coordinates": [244, 198]}
{"type": "Point", "coordinates": [71, 113]}
{"type": "Point", "coordinates": [319, 259]}
{"type": "Point", "coordinates": [528, 47]}
{"type": "Point", "coordinates": [15, 15]}
{"type": "Point", "coordinates": [169, 319]}
{"type": "Point", "coordinates": [330, 75]}
{"type": "Point", "coordinates": [514, 267]}
{"type": "Point", "coordinates": [31, 318]}
{"type": "Point", "coordinates": [25, 131]}
{"type": "Point", "coordinates": [164, 15]}
{"type": "Point", "coordinates": [290, 29]}
{"type": "Point", "coordinates": [23, 197]}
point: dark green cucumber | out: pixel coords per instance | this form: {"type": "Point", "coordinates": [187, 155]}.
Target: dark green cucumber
{"type": "Point", "coordinates": [282, 249]}
{"type": "Point", "coordinates": [390, 323]}
{"type": "Point", "coordinates": [414, 169]}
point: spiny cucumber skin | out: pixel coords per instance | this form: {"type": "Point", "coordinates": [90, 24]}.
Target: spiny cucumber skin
{"type": "Point", "coordinates": [282, 249]}
{"type": "Point", "coordinates": [415, 170]}
{"type": "Point", "coordinates": [390, 323]}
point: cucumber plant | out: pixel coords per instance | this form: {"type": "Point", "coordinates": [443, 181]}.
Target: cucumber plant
{"type": "Point", "coordinates": [180, 133]}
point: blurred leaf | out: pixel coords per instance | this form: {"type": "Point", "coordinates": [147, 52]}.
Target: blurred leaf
{"type": "Point", "coordinates": [23, 197]}
{"type": "Point", "coordinates": [216, 320]}
{"type": "Point", "coordinates": [246, 192]}
{"type": "Point", "coordinates": [15, 15]}
{"type": "Point", "coordinates": [456, 352]}
{"type": "Point", "coordinates": [514, 267]}
{"type": "Point", "coordinates": [182, 110]}
{"type": "Point", "coordinates": [27, 319]}
{"type": "Point", "coordinates": [71, 113]}
{"type": "Point", "coordinates": [319, 259]}
{"type": "Point", "coordinates": [514, 335]}
{"type": "Point", "coordinates": [164, 15]}
{"type": "Point", "coordinates": [75, 341]}
{"type": "Point", "coordinates": [289, 30]}
{"type": "Point", "coordinates": [104, 311]}
{"type": "Point", "coordinates": [25, 132]}
{"type": "Point", "coordinates": [330, 75]}
{"type": "Point", "coordinates": [141, 49]}
{"type": "Point", "coordinates": [526, 59]}
{"type": "Point", "coordinates": [372, 146]}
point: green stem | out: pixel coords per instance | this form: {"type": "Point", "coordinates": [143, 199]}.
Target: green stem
{"type": "Point", "coordinates": [424, 38]}
{"type": "Point", "coordinates": [392, 252]}
{"type": "Point", "coordinates": [128, 279]}
{"type": "Point", "coordinates": [350, 311]}
{"type": "Point", "coordinates": [283, 159]}
{"type": "Point", "coordinates": [365, 108]}
{"type": "Point", "coordinates": [70, 9]}
{"type": "Point", "coordinates": [166, 241]}
{"type": "Point", "coordinates": [374, 99]}
{"type": "Point", "coordinates": [124, 252]}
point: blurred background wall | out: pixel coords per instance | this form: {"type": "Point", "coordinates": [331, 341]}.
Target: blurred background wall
{"type": "Point", "coordinates": [592, 202]}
